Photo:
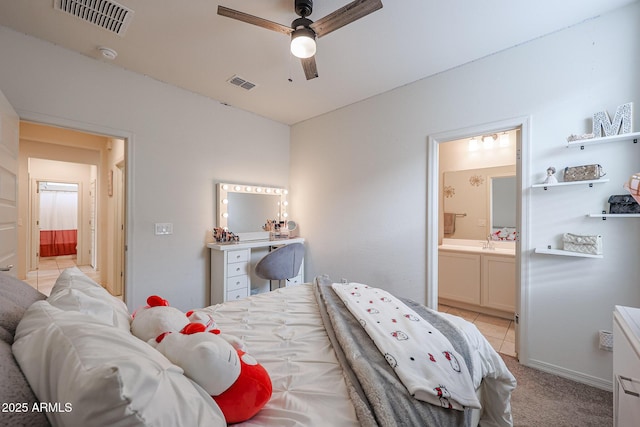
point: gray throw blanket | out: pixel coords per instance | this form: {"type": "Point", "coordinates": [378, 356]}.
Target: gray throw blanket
{"type": "Point", "coordinates": [379, 397]}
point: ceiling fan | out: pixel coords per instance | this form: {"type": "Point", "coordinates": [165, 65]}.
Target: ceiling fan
{"type": "Point", "coordinates": [304, 31]}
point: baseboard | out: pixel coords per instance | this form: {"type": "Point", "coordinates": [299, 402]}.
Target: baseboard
{"type": "Point", "coordinates": [571, 375]}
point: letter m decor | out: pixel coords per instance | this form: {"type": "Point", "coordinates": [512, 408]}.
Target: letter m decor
{"type": "Point", "coordinates": [621, 122]}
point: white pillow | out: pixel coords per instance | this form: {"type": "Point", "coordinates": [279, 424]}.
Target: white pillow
{"type": "Point", "coordinates": [98, 375]}
{"type": "Point", "coordinates": [75, 291]}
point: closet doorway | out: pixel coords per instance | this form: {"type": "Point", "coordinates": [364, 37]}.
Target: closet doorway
{"type": "Point", "coordinates": [435, 213]}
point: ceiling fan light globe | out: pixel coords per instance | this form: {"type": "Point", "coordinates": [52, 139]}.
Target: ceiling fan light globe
{"type": "Point", "coordinates": [303, 44]}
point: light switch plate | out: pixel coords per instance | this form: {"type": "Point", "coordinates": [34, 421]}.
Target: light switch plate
{"type": "Point", "coordinates": [163, 228]}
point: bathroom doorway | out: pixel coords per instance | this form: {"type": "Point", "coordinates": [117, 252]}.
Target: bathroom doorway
{"type": "Point", "coordinates": [518, 130]}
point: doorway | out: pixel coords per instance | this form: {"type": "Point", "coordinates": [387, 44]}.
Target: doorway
{"type": "Point", "coordinates": [102, 157]}
{"type": "Point", "coordinates": [434, 214]}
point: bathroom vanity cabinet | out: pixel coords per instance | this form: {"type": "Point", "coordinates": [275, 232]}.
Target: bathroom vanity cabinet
{"type": "Point", "coordinates": [477, 279]}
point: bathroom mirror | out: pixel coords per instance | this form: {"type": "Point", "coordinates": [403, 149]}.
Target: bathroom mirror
{"type": "Point", "coordinates": [244, 209]}
{"type": "Point", "coordinates": [503, 202]}
{"type": "Point", "coordinates": [478, 201]}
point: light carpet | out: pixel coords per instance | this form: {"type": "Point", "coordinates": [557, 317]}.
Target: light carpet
{"type": "Point", "coordinates": [543, 399]}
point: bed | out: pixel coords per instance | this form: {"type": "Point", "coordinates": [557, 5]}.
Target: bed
{"type": "Point", "coordinates": [72, 360]}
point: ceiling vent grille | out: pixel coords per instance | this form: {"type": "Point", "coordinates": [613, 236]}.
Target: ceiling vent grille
{"type": "Point", "coordinates": [240, 82]}
{"type": "Point", "coordinates": [104, 13]}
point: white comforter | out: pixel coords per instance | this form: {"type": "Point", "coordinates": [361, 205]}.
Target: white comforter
{"type": "Point", "coordinates": [284, 331]}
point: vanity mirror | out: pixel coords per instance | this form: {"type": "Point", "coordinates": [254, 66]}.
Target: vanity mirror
{"type": "Point", "coordinates": [244, 209]}
{"type": "Point", "coordinates": [481, 201]}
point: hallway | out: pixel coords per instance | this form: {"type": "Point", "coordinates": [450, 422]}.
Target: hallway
{"type": "Point", "coordinates": [50, 268]}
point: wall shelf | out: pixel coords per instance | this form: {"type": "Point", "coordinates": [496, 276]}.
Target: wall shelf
{"type": "Point", "coordinates": [589, 182]}
{"type": "Point", "coordinates": [606, 215]}
{"type": "Point", "coordinates": [560, 252]}
{"type": "Point", "coordinates": [605, 139]}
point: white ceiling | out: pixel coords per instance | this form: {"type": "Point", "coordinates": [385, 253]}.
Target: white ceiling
{"type": "Point", "coordinates": [186, 44]}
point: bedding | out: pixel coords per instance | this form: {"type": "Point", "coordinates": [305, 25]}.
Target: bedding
{"type": "Point", "coordinates": [75, 348]}
{"type": "Point", "coordinates": [326, 370]}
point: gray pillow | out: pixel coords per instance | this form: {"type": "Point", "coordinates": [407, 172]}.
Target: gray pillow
{"type": "Point", "coordinates": [15, 297]}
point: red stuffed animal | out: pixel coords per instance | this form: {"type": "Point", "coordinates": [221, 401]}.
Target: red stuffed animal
{"type": "Point", "coordinates": [234, 379]}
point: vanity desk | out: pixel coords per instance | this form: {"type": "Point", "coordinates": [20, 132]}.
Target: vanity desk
{"type": "Point", "coordinates": [233, 268]}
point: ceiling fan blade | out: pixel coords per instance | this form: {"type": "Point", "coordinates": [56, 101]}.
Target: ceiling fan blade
{"type": "Point", "coordinates": [250, 19]}
{"type": "Point", "coordinates": [309, 67]}
{"type": "Point", "coordinates": [345, 15]}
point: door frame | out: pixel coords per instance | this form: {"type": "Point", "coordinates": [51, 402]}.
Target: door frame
{"type": "Point", "coordinates": [522, 216]}
{"type": "Point", "coordinates": [129, 138]}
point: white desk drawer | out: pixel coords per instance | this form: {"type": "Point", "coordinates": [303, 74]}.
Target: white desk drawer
{"type": "Point", "coordinates": [237, 294]}
{"type": "Point", "coordinates": [237, 282]}
{"type": "Point", "coordinates": [237, 269]}
{"type": "Point", "coordinates": [238, 256]}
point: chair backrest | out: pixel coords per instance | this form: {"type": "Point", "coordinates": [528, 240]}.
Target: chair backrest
{"type": "Point", "coordinates": [281, 263]}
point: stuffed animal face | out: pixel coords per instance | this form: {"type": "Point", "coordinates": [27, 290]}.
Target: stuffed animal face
{"type": "Point", "coordinates": [157, 318]}
{"type": "Point", "coordinates": [206, 358]}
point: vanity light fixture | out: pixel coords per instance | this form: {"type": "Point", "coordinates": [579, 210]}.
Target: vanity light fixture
{"type": "Point", "coordinates": [504, 140]}
{"type": "Point", "coordinates": [473, 144]}
{"type": "Point", "coordinates": [488, 140]}
{"type": "Point", "coordinates": [225, 201]}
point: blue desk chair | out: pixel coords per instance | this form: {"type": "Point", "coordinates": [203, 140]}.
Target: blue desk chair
{"type": "Point", "coordinates": [281, 264]}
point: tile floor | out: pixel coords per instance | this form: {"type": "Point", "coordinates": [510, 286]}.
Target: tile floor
{"type": "Point", "coordinates": [498, 331]}
{"type": "Point", "coordinates": [50, 268]}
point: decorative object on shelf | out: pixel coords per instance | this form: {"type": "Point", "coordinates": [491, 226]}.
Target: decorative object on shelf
{"type": "Point", "coordinates": [224, 236]}
{"type": "Point", "coordinates": [621, 121]}
{"type": "Point", "coordinates": [583, 173]}
{"type": "Point", "coordinates": [574, 137]}
{"type": "Point", "coordinates": [551, 176]}
{"type": "Point", "coordinates": [633, 186]}
{"type": "Point", "coordinates": [623, 204]}
{"type": "Point", "coordinates": [589, 244]}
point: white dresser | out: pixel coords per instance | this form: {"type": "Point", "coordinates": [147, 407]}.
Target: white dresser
{"type": "Point", "coordinates": [233, 265]}
{"type": "Point", "coordinates": [626, 366]}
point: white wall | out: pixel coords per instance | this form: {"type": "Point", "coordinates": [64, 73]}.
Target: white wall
{"type": "Point", "coordinates": [358, 181]}
{"type": "Point", "coordinates": [181, 145]}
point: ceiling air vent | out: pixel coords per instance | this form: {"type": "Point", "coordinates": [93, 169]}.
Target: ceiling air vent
{"type": "Point", "coordinates": [104, 13]}
{"type": "Point", "coordinates": [240, 82]}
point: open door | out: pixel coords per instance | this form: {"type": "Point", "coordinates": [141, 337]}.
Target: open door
{"type": "Point", "coordinates": [9, 140]}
